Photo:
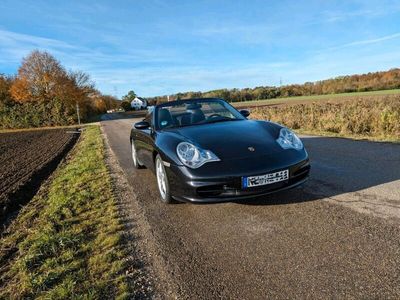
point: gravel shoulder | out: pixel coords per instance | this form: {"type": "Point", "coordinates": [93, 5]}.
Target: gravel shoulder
{"type": "Point", "coordinates": [146, 272]}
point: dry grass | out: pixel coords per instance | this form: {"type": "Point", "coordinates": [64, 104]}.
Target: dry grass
{"type": "Point", "coordinates": [72, 127]}
{"type": "Point", "coordinates": [376, 119]}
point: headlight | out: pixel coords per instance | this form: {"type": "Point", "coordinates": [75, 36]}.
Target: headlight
{"type": "Point", "coordinates": [288, 140]}
{"type": "Point", "coordinates": [194, 157]}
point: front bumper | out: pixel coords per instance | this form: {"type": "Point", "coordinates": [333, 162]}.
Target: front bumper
{"type": "Point", "coordinates": [220, 183]}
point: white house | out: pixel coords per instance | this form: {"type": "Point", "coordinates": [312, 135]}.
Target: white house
{"type": "Point", "coordinates": [138, 103]}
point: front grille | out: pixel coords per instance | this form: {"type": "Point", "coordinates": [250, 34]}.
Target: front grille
{"type": "Point", "coordinates": [225, 191]}
{"type": "Point", "coordinates": [234, 188]}
{"type": "Point", "coordinates": [210, 191]}
{"type": "Point", "coordinates": [301, 171]}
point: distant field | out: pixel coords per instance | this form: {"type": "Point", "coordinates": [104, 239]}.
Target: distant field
{"type": "Point", "coordinates": [305, 99]}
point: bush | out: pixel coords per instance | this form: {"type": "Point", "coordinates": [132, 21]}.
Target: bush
{"type": "Point", "coordinates": [126, 105]}
{"type": "Point", "coordinates": [35, 114]}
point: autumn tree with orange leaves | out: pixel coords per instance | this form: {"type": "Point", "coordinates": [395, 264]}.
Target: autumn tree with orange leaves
{"type": "Point", "coordinates": [40, 78]}
{"type": "Point", "coordinates": [44, 93]}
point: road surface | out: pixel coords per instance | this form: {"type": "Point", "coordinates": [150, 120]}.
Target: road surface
{"type": "Point", "coordinates": [337, 237]}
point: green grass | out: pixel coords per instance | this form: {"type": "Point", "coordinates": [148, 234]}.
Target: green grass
{"type": "Point", "coordinates": [305, 99]}
{"type": "Point", "coordinates": [67, 242]}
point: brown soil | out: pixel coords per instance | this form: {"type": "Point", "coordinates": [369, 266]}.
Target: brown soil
{"type": "Point", "coordinates": [26, 159]}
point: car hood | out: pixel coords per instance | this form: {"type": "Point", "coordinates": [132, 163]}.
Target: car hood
{"type": "Point", "coordinates": [232, 139]}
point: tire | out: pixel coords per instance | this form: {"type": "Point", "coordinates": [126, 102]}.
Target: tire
{"type": "Point", "coordinates": [135, 160]}
{"type": "Point", "coordinates": [162, 181]}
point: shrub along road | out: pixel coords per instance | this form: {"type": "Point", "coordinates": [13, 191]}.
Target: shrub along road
{"type": "Point", "coordinates": [336, 237]}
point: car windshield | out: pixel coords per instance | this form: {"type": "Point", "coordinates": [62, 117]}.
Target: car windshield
{"type": "Point", "coordinates": [193, 112]}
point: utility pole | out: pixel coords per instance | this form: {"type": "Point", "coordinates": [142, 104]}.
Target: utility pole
{"type": "Point", "coordinates": [77, 112]}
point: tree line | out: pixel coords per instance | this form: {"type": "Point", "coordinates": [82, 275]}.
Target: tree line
{"type": "Point", "coordinates": [344, 84]}
{"type": "Point", "coordinates": [44, 93]}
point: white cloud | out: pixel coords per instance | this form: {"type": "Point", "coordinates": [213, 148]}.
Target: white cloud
{"type": "Point", "coordinates": [366, 42]}
{"type": "Point", "coordinates": [14, 45]}
{"type": "Point", "coordinates": [8, 38]}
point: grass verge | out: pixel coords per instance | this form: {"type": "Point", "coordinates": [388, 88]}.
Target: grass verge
{"type": "Point", "coordinates": [72, 127]}
{"type": "Point", "coordinates": [68, 241]}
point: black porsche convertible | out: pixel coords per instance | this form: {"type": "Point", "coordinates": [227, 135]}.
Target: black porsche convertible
{"type": "Point", "coordinates": [204, 150]}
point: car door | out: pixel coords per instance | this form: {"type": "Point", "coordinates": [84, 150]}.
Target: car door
{"type": "Point", "coordinates": [144, 143]}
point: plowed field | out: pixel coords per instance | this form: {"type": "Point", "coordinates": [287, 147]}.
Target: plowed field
{"type": "Point", "coordinates": [26, 159]}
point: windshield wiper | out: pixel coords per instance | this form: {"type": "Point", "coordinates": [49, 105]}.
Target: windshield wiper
{"type": "Point", "coordinates": [221, 120]}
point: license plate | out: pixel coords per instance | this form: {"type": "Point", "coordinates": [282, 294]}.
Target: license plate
{"type": "Point", "coordinates": [270, 178]}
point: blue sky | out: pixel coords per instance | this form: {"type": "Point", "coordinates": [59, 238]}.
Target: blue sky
{"type": "Point", "coordinates": [161, 47]}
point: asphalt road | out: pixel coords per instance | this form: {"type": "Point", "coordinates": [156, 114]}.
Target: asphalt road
{"type": "Point", "coordinates": [336, 237]}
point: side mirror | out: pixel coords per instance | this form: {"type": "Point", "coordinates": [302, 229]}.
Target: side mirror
{"type": "Point", "coordinates": [142, 125]}
{"type": "Point", "coordinates": [245, 113]}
